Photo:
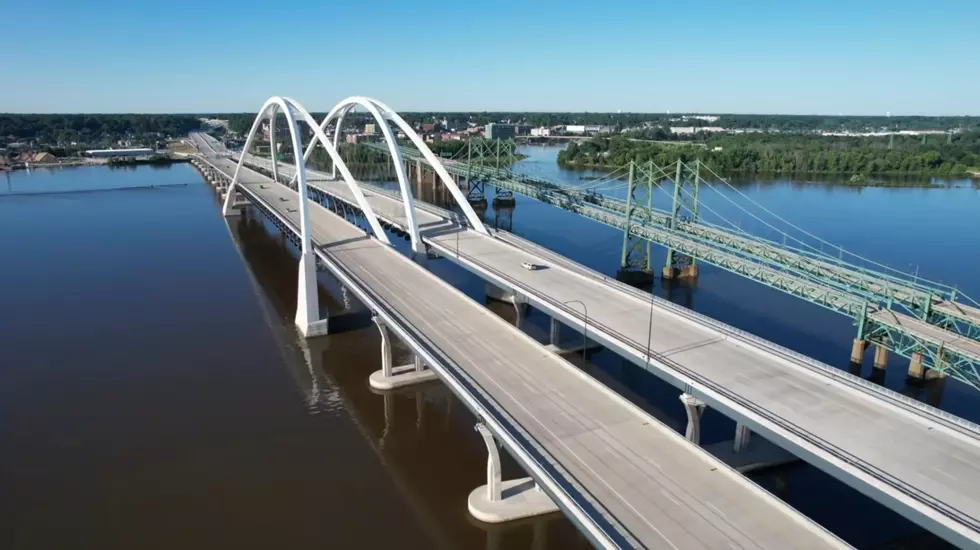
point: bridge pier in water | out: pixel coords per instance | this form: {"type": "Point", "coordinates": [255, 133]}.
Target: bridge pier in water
{"type": "Point", "coordinates": [391, 377]}
{"type": "Point", "coordinates": [500, 501]}
{"type": "Point", "coordinates": [508, 297]}
{"type": "Point", "coordinates": [555, 345]}
{"type": "Point", "coordinates": [741, 453]}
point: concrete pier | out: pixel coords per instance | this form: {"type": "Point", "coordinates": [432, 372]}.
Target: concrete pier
{"type": "Point", "coordinates": [391, 377]}
{"type": "Point", "coordinates": [857, 351]}
{"type": "Point", "coordinates": [743, 435]}
{"type": "Point", "coordinates": [690, 272]}
{"type": "Point", "coordinates": [501, 295]}
{"type": "Point", "coordinates": [695, 408]}
{"type": "Point", "coordinates": [881, 357]}
{"type": "Point", "coordinates": [509, 297]}
{"type": "Point", "coordinates": [916, 369]}
{"type": "Point", "coordinates": [669, 272]}
{"type": "Point", "coordinates": [501, 501]}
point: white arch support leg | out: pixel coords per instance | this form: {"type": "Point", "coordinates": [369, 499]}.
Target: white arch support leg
{"type": "Point", "coordinates": [272, 145]}
{"type": "Point", "coordinates": [695, 408]}
{"type": "Point", "coordinates": [501, 501]}
{"type": "Point", "coordinates": [391, 377]}
{"type": "Point", "coordinates": [336, 137]}
{"type": "Point", "coordinates": [307, 303]}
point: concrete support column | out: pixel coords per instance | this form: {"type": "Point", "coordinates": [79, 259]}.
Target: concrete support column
{"type": "Point", "coordinates": [555, 333]}
{"type": "Point", "coordinates": [307, 305]}
{"type": "Point", "coordinates": [669, 272]}
{"type": "Point", "coordinates": [742, 436]}
{"type": "Point", "coordinates": [690, 272]}
{"type": "Point", "coordinates": [507, 296]}
{"type": "Point", "coordinates": [857, 350]}
{"type": "Point", "coordinates": [493, 464]}
{"type": "Point", "coordinates": [916, 369]}
{"type": "Point", "coordinates": [500, 501]}
{"type": "Point", "coordinates": [520, 309]}
{"type": "Point", "coordinates": [391, 377]}
{"type": "Point", "coordinates": [881, 357]}
{"type": "Point", "coordinates": [695, 408]}
{"type": "Point", "coordinates": [386, 367]}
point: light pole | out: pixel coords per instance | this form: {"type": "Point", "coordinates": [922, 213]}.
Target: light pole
{"type": "Point", "coordinates": [459, 228]}
{"type": "Point", "coordinates": [585, 327]}
{"type": "Point", "coordinates": [649, 330]}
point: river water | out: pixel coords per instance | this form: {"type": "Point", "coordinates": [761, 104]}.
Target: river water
{"type": "Point", "coordinates": [153, 393]}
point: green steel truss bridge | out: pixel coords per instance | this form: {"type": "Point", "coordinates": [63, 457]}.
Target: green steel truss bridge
{"type": "Point", "coordinates": [933, 324]}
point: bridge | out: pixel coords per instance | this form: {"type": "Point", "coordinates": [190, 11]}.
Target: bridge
{"type": "Point", "coordinates": [806, 407]}
{"type": "Point", "coordinates": [934, 325]}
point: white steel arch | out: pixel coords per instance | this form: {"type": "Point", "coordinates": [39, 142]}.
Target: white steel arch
{"type": "Point", "coordinates": [307, 307]}
{"type": "Point", "coordinates": [386, 113]}
{"type": "Point", "coordinates": [341, 109]}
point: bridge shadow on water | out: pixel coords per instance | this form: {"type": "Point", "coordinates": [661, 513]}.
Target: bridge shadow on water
{"type": "Point", "coordinates": [425, 436]}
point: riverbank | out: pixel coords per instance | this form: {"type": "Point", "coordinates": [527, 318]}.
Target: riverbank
{"type": "Point", "coordinates": [160, 160]}
{"type": "Point", "coordinates": [957, 156]}
{"type": "Point", "coordinates": [574, 165]}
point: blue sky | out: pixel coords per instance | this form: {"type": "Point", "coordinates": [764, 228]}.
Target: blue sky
{"type": "Point", "coordinates": [826, 57]}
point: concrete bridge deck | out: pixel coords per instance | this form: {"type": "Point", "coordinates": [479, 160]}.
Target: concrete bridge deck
{"type": "Point", "coordinates": [635, 478]}
{"type": "Point", "coordinates": [910, 457]}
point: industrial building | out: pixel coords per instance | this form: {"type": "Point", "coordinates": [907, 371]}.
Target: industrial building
{"type": "Point", "coordinates": [109, 153]}
{"type": "Point", "coordinates": [500, 131]}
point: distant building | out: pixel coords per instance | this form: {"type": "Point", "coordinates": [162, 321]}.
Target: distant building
{"type": "Point", "coordinates": [695, 129]}
{"type": "Point", "coordinates": [575, 129]}
{"type": "Point", "coordinates": [541, 132]}
{"type": "Point", "coordinates": [706, 118]}
{"type": "Point", "coordinates": [108, 153]}
{"type": "Point", "coordinates": [44, 158]}
{"type": "Point", "coordinates": [369, 129]}
{"type": "Point", "coordinates": [500, 131]}
{"type": "Point", "coordinates": [352, 138]}
{"type": "Point", "coordinates": [429, 127]}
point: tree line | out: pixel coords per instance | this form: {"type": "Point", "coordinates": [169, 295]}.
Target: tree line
{"type": "Point", "coordinates": [60, 131]}
{"type": "Point", "coordinates": [241, 122]}
{"type": "Point", "coordinates": [955, 154]}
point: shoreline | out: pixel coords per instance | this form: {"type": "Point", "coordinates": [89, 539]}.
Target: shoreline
{"type": "Point", "coordinates": [97, 162]}
{"type": "Point", "coordinates": [967, 175]}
